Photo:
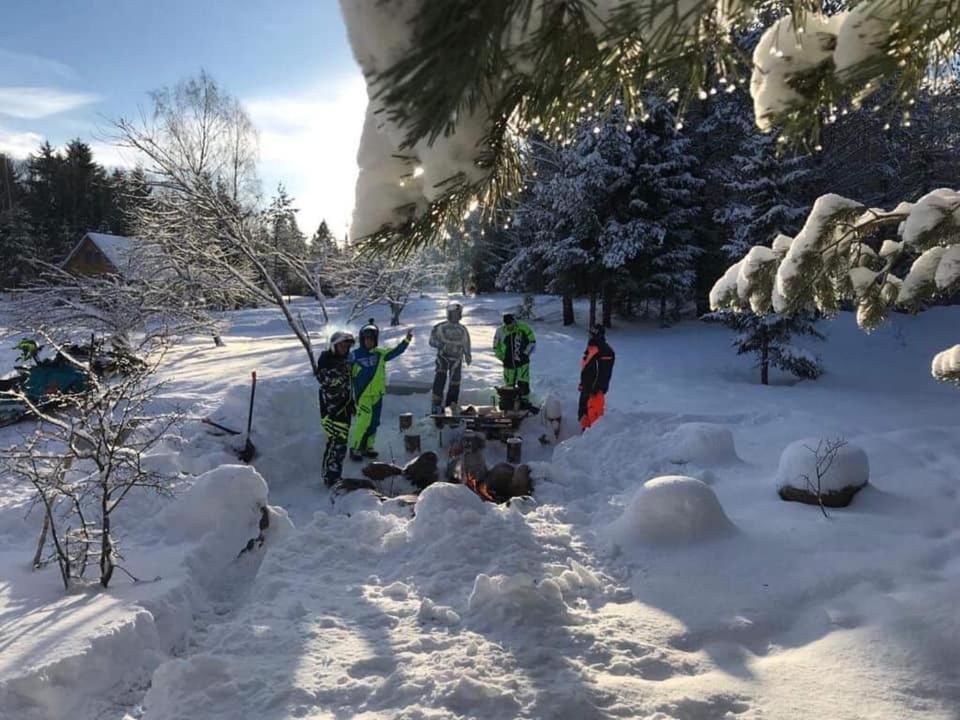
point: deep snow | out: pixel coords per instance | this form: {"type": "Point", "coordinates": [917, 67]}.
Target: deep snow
{"type": "Point", "coordinates": [550, 608]}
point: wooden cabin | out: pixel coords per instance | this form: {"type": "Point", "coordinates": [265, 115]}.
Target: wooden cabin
{"type": "Point", "coordinates": [100, 254]}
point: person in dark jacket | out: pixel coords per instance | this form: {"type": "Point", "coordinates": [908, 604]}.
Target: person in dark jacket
{"type": "Point", "coordinates": [595, 371]}
{"type": "Point", "coordinates": [336, 403]}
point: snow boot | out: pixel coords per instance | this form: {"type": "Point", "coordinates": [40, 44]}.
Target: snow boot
{"type": "Point", "coordinates": [370, 453]}
{"type": "Point", "coordinates": [356, 455]}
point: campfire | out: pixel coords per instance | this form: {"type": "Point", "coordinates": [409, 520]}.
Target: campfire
{"type": "Point", "coordinates": [478, 486]}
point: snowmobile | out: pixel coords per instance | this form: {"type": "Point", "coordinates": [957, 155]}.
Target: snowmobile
{"type": "Point", "coordinates": [44, 382]}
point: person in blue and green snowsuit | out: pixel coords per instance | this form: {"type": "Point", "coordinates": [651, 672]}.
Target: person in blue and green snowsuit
{"type": "Point", "coordinates": [368, 368]}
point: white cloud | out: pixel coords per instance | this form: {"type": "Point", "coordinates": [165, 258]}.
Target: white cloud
{"type": "Point", "coordinates": [309, 142]}
{"type": "Point", "coordinates": [113, 156]}
{"type": "Point", "coordinates": [40, 102]}
{"type": "Point", "coordinates": [19, 144]}
{"type": "Point", "coordinates": [26, 68]}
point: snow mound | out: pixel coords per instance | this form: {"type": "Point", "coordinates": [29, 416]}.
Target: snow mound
{"type": "Point", "coordinates": [703, 444]}
{"type": "Point", "coordinates": [517, 599]}
{"type": "Point", "coordinates": [839, 477]}
{"type": "Point", "coordinates": [223, 508]}
{"type": "Point", "coordinates": [444, 506]}
{"type": "Point", "coordinates": [673, 510]}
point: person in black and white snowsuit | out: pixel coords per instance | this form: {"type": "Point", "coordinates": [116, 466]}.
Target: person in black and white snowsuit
{"type": "Point", "coordinates": [452, 341]}
{"type": "Point", "coordinates": [336, 403]}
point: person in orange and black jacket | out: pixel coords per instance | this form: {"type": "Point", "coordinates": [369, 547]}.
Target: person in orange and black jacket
{"type": "Point", "coordinates": [595, 371]}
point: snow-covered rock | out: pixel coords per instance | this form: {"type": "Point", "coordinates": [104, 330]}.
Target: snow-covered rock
{"type": "Point", "coordinates": [673, 510]}
{"type": "Point", "coordinates": [839, 479]}
{"type": "Point", "coordinates": [700, 443]}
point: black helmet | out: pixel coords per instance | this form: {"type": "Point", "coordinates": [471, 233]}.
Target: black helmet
{"type": "Point", "coordinates": [454, 312]}
{"type": "Point", "coordinates": [508, 319]}
{"type": "Point", "coordinates": [339, 337]}
{"type": "Point", "coordinates": [372, 331]}
{"type": "Point", "coordinates": [598, 332]}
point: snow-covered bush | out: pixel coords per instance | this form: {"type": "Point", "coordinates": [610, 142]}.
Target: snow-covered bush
{"type": "Point", "coordinates": [820, 471]}
{"type": "Point", "coordinates": [673, 510]}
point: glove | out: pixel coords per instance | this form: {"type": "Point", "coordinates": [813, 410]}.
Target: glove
{"type": "Point", "coordinates": [409, 335]}
{"type": "Point", "coordinates": [533, 346]}
{"type": "Point", "coordinates": [468, 359]}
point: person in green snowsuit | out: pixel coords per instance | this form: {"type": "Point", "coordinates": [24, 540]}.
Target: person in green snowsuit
{"type": "Point", "coordinates": [513, 344]}
{"type": "Point", "coordinates": [368, 369]}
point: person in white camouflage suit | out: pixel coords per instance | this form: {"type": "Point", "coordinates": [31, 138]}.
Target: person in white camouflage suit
{"type": "Point", "coordinates": [452, 342]}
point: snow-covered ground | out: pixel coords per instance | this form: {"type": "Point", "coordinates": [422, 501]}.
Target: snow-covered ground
{"type": "Point", "coordinates": [698, 598]}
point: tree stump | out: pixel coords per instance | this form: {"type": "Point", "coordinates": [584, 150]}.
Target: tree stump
{"type": "Point", "coordinates": [411, 443]}
{"type": "Point", "coordinates": [514, 450]}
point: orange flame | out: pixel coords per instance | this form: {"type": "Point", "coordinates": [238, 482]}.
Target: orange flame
{"type": "Point", "coordinates": [480, 488]}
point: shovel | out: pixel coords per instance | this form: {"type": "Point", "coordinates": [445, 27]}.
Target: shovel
{"type": "Point", "coordinates": [249, 451]}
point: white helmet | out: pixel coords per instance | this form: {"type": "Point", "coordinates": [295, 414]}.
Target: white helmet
{"type": "Point", "coordinates": [454, 312]}
{"type": "Point", "coordinates": [339, 337]}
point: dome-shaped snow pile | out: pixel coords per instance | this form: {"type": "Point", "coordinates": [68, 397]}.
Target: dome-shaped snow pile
{"type": "Point", "coordinates": [444, 510]}
{"type": "Point", "coordinates": [703, 444]}
{"type": "Point", "coordinates": [819, 470]}
{"type": "Point", "coordinates": [673, 510]}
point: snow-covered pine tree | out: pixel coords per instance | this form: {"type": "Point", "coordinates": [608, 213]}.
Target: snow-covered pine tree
{"type": "Point", "coordinates": [654, 229]}
{"type": "Point", "coordinates": [286, 246]}
{"type": "Point", "coordinates": [765, 193]}
{"type": "Point", "coordinates": [322, 254]}
{"type": "Point", "coordinates": [554, 228]}
{"type": "Point", "coordinates": [768, 338]}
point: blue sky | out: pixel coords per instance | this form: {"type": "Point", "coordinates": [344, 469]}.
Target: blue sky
{"type": "Point", "coordinates": [69, 66]}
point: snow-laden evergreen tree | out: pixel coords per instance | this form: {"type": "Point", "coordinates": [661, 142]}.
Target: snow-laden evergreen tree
{"type": "Point", "coordinates": [322, 253]}
{"type": "Point", "coordinates": [613, 213]}
{"type": "Point", "coordinates": [557, 228]}
{"type": "Point", "coordinates": [286, 244]}
{"type": "Point", "coordinates": [764, 191]}
{"type": "Point", "coordinates": [656, 231]}
{"type": "Point", "coordinates": [768, 338]}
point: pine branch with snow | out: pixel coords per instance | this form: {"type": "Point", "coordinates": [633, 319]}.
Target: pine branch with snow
{"type": "Point", "coordinates": [845, 253]}
{"type": "Point", "coordinates": [455, 86]}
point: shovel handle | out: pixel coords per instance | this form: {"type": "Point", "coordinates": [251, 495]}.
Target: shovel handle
{"type": "Point", "coordinates": [253, 392]}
